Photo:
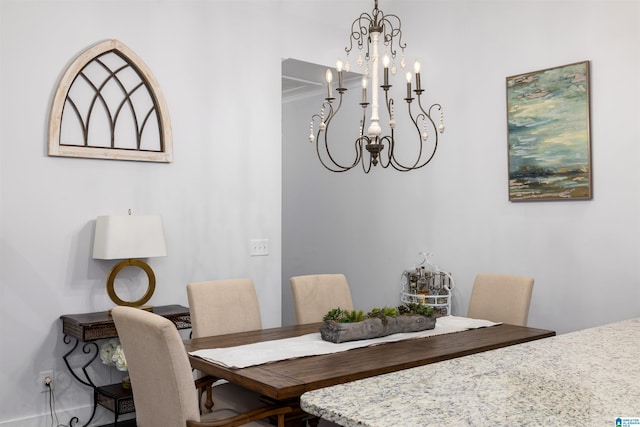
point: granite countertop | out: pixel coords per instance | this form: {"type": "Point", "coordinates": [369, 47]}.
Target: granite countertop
{"type": "Point", "coordinates": [585, 378]}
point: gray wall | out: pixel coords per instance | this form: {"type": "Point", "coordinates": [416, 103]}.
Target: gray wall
{"type": "Point", "coordinates": [222, 189]}
{"type": "Point", "coordinates": [583, 254]}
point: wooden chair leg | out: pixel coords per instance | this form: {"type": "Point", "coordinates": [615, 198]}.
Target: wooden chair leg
{"type": "Point", "coordinates": [208, 403]}
{"type": "Point", "coordinates": [204, 386]}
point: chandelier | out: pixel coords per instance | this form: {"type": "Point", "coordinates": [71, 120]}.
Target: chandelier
{"type": "Point", "coordinates": [370, 32]}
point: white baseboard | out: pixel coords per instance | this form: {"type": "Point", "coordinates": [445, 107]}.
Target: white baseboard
{"type": "Point", "coordinates": [102, 417]}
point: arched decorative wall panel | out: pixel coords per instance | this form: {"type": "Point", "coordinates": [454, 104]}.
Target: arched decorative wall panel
{"type": "Point", "coordinates": [108, 105]}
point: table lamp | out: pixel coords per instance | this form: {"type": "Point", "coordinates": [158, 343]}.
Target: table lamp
{"type": "Point", "coordinates": [129, 237]}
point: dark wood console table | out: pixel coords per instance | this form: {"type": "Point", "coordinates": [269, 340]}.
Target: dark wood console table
{"type": "Point", "coordinates": [91, 327]}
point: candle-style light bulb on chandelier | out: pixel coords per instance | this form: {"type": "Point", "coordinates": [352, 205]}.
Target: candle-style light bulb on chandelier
{"type": "Point", "coordinates": [368, 32]}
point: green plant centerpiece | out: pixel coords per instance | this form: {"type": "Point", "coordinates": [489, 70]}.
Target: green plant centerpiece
{"type": "Point", "coordinates": [341, 325]}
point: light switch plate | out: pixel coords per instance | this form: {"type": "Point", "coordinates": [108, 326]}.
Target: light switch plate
{"type": "Point", "coordinates": [259, 247]}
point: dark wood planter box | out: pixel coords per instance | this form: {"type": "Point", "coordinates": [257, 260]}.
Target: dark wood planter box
{"type": "Point", "coordinates": [373, 328]}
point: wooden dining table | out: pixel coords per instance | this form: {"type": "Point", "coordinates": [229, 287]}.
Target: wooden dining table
{"type": "Point", "coordinates": [286, 380]}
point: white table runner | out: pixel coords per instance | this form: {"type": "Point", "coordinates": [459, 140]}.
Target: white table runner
{"type": "Point", "coordinates": [312, 344]}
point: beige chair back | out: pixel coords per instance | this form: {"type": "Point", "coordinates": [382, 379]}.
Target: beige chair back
{"type": "Point", "coordinates": [501, 298]}
{"type": "Point", "coordinates": [315, 295]}
{"type": "Point", "coordinates": [223, 307]}
{"type": "Point", "coordinates": [159, 369]}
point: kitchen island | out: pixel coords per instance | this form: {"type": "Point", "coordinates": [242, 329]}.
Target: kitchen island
{"type": "Point", "coordinates": [585, 378]}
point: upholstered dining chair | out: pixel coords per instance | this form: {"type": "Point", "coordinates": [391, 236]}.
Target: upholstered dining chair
{"type": "Point", "coordinates": [314, 295]}
{"type": "Point", "coordinates": [220, 307]}
{"type": "Point", "coordinates": [223, 307]}
{"type": "Point", "coordinates": [501, 298]}
{"type": "Point", "coordinates": [161, 379]}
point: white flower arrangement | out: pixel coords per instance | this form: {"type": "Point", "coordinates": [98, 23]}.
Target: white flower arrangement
{"type": "Point", "coordinates": [111, 354]}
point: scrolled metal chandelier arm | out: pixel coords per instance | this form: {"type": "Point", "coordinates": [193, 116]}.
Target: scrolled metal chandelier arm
{"type": "Point", "coordinates": [425, 118]}
{"type": "Point", "coordinates": [388, 25]}
{"type": "Point", "coordinates": [324, 120]}
{"type": "Point", "coordinates": [359, 33]}
{"type": "Point", "coordinates": [392, 32]}
{"type": "Point", "coordinates": [368, 32]}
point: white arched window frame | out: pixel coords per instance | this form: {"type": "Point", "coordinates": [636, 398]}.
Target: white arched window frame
{"type": "Point", "coordinates": [108, 105]}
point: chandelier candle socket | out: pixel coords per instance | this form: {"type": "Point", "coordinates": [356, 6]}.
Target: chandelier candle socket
{"type": "Point", "coordinates": [329, 80]}
{"type": "Point", "coordinates": [370, 33]}
{"type": "Point", "coordinates": [416, 68]}
{"type": "Point", "coordinates": [364, 91]}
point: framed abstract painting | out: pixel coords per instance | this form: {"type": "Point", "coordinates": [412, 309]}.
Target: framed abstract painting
{"type": "Point", "coordinates": [549, 142]}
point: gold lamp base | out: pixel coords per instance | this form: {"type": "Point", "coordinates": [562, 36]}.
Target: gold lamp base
{"type": "Point", "coordinates": [150, 289]}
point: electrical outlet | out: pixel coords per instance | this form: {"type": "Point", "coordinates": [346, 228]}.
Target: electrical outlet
{"type": "Point", "coordinates": [43, 378]}
{"type": "Point", "coordinates": [259, 247]}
